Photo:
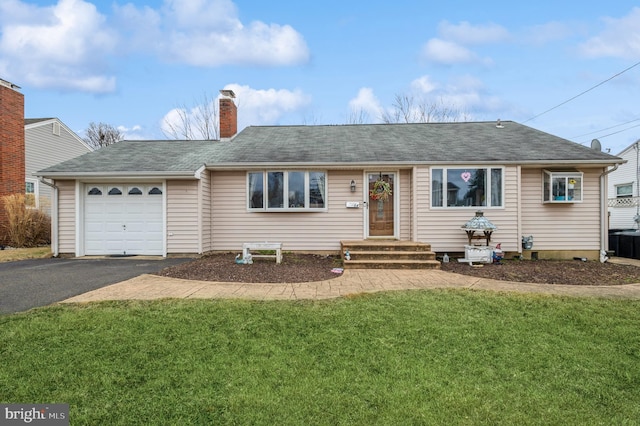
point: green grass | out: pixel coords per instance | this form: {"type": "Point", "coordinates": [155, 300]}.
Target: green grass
{"type": "Point", "coordinates": [432, 357]}
{"type": "Point", "coordinates": [10, 255]}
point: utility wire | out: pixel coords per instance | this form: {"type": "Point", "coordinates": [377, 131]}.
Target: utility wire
{"type": "Point", "coordinates": [607, 128]}
{"type": "Point", "coordinates": [619, 131]}
{"type": "Point", "coordinates": [586, 91]}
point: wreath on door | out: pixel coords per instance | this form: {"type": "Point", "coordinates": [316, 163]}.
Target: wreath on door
{"type": "Point", "coordinates": [381, 190]}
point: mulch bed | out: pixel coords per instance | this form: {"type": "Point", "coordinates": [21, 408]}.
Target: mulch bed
{"type": "Point", "coordinates": [222, 268]}
{"type": "Point", "coordinates": [295, 267]}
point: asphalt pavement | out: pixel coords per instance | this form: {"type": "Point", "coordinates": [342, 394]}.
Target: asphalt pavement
{"type": "Point", "coordinates": [32, 283]}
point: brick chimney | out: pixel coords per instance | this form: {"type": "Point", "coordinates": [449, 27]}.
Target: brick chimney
{"type": "Point", "coordinates": [228, 115]}
{"type": "Point", "coordinates": [12, 162]}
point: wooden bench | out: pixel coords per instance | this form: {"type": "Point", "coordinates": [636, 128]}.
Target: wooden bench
{"type": "Point", "coordinates": [249, 247]}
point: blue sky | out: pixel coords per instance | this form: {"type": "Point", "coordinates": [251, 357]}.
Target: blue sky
{"type": "Point", "coordinates": [131, 63]}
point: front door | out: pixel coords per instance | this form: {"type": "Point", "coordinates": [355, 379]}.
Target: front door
{"type": "Point", "coordinates": [381, 204]}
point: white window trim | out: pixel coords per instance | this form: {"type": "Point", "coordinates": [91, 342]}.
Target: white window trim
{"type": "Point", "coordinates": [475, 167]}
{"type": "Point", "coordinates": [620, 185]}
{"type": "Point", "coordinates": [567, 174]}
{"type": "Point", "coordinates": [286, 208]}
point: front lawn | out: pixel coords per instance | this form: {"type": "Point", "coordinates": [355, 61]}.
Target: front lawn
{"type": "Point", "coordinates": [417, 357]}
{"type": "Point", "coordinates": [11, 255]}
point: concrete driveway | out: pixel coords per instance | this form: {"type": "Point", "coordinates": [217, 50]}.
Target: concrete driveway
{"type": "Point", "coordinates": [28, 284]}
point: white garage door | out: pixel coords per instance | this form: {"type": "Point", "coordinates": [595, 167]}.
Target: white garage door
{"type": "Point", "coordinates": [123, 219]}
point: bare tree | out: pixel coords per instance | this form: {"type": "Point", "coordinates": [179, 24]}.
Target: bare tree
{"type": "Point", "coordinates": [195, 122]}
{"type": "Point", "coordinates": [99, 135]}
{"type": "Point", "coordinates": [409, 109]}
{"type": "Point", "coordinates": [358, 116]}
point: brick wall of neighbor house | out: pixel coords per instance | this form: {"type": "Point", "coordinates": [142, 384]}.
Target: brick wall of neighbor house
{"type": "Point", "coordinates": [12, 165]}
{"type": "Point", "coordinates": [228, 118]}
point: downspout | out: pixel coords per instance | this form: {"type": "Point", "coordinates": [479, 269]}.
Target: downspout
{"type": "Point", "coordinates": [414, 207]}
{"type": "Point", "coordinates": [54, 218]}
{"type": "Point", "coordinates": [519, 210]}
{"type": "Point", "coordinates": [604, 242]}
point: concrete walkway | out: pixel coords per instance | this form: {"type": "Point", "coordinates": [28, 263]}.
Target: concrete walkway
{"type": "Point", "coordinates": [352, 281]}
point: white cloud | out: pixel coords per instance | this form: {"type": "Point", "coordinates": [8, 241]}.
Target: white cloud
{"type": "Point", "coordinates": [423, 85]}
{"type": "Point", "coordinates": [467, 34]}
{"type": "Point", "coordinates": [255, 107]}
{"type": "Point", "coordinates": [469, 94]}
{"type": "Point", "coordinates": [451, 45]}
{"type": "Point", "coordinates": [134, 132]}
{"type": "Point", "coordinates": [208, 33]}
{"type": "Point", "coordinates": [367, 103]}
{"type": "Point", "coordinates": [548, 32]}
{"type": "Point", "coordinates": [447, 52]}
{"type": "Point", "coordinates": [61, 46]}
{"type": "Point", "coordinates": [72, 46]}
{"type": "Point", "coordinates": [260, 107]}
{"type": "Point", "coordinates": [619, 39]}
{"type": "Point", "coordinates": [463, 97]}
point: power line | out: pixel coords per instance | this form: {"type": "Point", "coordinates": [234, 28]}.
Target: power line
{"type": "Point", "coordinates": [586, 91]}
{"type": "Point", "coordinates": [619, 131]}
{"type": "Point", "coordinates": [607, 128]}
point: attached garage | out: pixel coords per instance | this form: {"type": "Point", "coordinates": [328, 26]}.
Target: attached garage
{"type": "Point", "coordinates": [124, 219]}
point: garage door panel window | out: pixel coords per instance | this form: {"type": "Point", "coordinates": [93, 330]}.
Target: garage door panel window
{"type": "Point", "coordinates": [94, 191]}
{"type": "Point", "coordinates": [135, 191]}
{"type": "Point", "coordinates": [115, 191]}
{"type": "Point", "coordinates": [155, 191]}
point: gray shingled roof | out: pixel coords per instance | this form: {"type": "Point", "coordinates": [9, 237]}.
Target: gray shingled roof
{"type": "Point", "coordinates": [28, 121]}
{"type": "Point", "coordinates": [139, 157]}
{"type": "Point", "coordinates": [340, 145]}
{"type": "Point", "coordinates": [407, 143]}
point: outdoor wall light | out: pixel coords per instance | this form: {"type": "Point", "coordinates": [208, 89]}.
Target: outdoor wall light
{"type": "Point", "coordinates": [353, 185]}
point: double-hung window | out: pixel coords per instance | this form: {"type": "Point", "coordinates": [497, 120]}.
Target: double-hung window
{"type": "Point", "coordinates": [286, 190]}
{"type": "Point", "coordinates": [467, 187]}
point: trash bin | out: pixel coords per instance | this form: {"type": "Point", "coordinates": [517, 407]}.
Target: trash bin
{"type": "Point", "coordinates": [614, 242]}
{"type": "Point", "coordinates": [625, 244]}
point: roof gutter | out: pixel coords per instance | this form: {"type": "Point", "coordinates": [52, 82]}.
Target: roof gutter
{"type": "Point", "coordinates": [120, 175]}
{"type": "Point", "coordinates": [394, 164]}
{"type": "Point", "coordinates": [54, 218]}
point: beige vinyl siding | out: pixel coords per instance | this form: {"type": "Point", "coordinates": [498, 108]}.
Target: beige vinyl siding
{"type": "Point", "coordinates": [559, 226]}
{"type": "Point", "coordinates": [405, 205]}
{"type": "Point", "coordinates": [233, 224]}
{"type": "Point", "coordinates": [183, 230]}
{"type": "Point", "coordinates": [66, 216]}
{"type": "Point", "coordinates": [44, 149]}
{"type": "Point", "coordinates": [205, 207]}
{"type": "Point", "coordinates": [441, 227]}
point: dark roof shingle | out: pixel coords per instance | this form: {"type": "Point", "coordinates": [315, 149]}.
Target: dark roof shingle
{"type": "Point", "coordinates": [423, 143]}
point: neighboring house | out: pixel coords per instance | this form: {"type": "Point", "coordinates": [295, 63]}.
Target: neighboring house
{"type": "Point", "coordinates": [11, 147]}
{"type": "Point", "coordinates": [48, 141]}
{"type": "Point", "coordinates": [29, 145]}
{"type": "Point", "coordinates": [309, 187]}
{"type": "Point", "coordinates": [624, 193]}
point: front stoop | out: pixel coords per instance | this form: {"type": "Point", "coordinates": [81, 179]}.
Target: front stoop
{"type": "Point", "coordinates": [388, 254]}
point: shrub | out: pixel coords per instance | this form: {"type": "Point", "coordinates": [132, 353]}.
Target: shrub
{"type": "Point", "coordinates": [26, 227]}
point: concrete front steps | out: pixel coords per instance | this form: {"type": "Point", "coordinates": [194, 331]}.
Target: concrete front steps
{"type": "Point", "coordinates": [388, 254]}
